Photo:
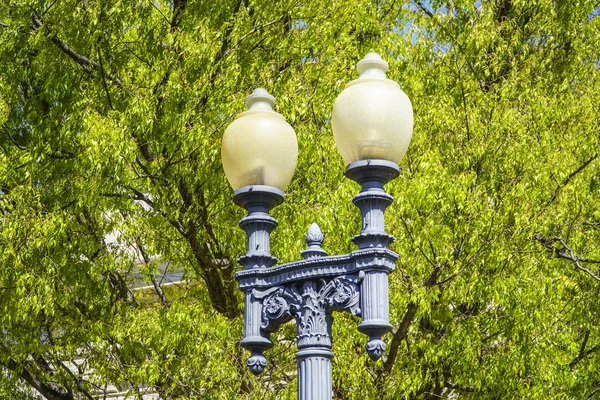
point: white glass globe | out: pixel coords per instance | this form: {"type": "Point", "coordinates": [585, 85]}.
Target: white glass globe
{"type": "Point", "coordinates": [372, 118]}
{"type": "Point", "coordinates": [259, 147]}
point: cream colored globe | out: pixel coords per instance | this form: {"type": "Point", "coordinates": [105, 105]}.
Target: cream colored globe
{"type": "Point", "coordinates": [259, 147]}
{"type": "Point", "coordinates": [372, 118]}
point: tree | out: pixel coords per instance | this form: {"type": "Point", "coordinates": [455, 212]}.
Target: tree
{"type": "Point", "coordinates": [111, 115]}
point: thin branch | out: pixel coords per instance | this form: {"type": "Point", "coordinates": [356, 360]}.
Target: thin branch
{"type": "Point", "coordinates": [464, 102]}
{"type": "Point", "coordinates": [77, 382]}
{"type": "Point", "coordinates": [433, 252]}
{"type": "Point", "coordinates": [596, 391]}
{"type": "Point", "coordinates": [145, 169]}
{"type": "Point", "coordinates": [466, 266]}
{"type": "Point", "coordinates": [160, 12]}
{"type": "Point", "coordinates": [191, 152]}
{"type": "Point", "coordinates": [224, 46]}
{"type": "Point", "coordinates": [19, 146]}
{"type": "Point", "coordinates": [414, 243]}
{"type": "Point", "coordinates": [146, 258]}
{"type": "Point", "coordinates": [62, 155]}
{"type": "Point", "coordinates": [424, 9]}
{"type": "Point", "coordinates": [568, 178]}
{"type": "Point", "coordinates": [142, 197]}
{"type": "Point", "coordinates": [245, 36]}
{"type": "Point", "coordinates": [582, 351]}
{"type": "Point", "coordinates": [49, 7]}
{"type": "Point", "coordinates": [567, 253]}
{"type": "Point", "coordinates": [87, 65]}
{"type": "Point", "coordinates": [85, 62]}
{"type": "Point", "coordinates": [110, 103]}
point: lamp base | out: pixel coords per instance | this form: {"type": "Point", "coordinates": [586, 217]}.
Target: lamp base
{"type": "Point", "coordinates": [258, 198]}
{"type": "Point", "coordinates": [372, 174]}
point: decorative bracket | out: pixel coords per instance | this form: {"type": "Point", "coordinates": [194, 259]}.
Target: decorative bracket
{"type": "Point", "coordinates": [311, 303]}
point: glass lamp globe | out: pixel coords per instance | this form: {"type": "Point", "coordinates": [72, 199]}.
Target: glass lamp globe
{"type": "Point", "coordinates": [372, 118]}
{"type": "Point", "coordinates": [259, 147]}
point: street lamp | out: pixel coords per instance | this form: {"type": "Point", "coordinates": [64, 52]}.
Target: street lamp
{"type": "Point", "coordinates": [372, 124]}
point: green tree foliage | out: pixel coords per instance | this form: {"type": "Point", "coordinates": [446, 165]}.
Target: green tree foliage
{"type": "Point", "coordinates": [111, 114]}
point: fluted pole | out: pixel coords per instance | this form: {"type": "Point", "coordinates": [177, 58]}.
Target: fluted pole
{"type": "Point", "coordinates": [314, 373]}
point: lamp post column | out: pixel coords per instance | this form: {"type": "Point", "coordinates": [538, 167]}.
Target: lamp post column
{"type": "Point", "coordinates": [314, 339]}
{"type": "Point", "coordinates": [258, 200]}
{"type": "Point", "coordinates": [314, 345]}
{"type": "Point", "coordinates": [372, 201]}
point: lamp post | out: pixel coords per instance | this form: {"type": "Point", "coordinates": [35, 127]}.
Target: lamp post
{"type": "Point", "coordinates": [372, 124]}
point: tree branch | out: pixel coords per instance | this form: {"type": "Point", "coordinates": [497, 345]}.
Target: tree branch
{"type": "Point", "coordinates": [399, 335]}
{"type": "Point", "coordinates": [568, 179]}
{"type": "Point", "coordinates": [77, 380]}
{"type": "Point", "coordinates": [145, 199]}
{"type": "Point", "coordinates": [433, 264]}
{"type": "Point", "coordinates": [146, 258]}
{"type": "Point", "coordinates": [170, 162]}
{"type": "Point", "coordinates": [596, 391]}
{"type": "Point", "coordinates": [467, 265]}
{"type": "Point", "coordinates": [245, 36]}
{"type": "Point", "coordinates": [222, 51]}
{"type": "Point", "coordinates": [51, 391]}
{"type": "Point", "coordinates": [567, 253]}
{"type": "Point", "coordinates": [103, 75]}
{"type": "Point", "coordinates": [424, 9]}
{"type": "Point", "coordinates": [178, 8]}
{"type": "Point", "coordinates": [12, 139]}
{"type": "Point", "coordinates": [160, 12]}
{"type": "Point", "coordinates": [85, 62]}
{"type": "Point", "coordinates": [582, 351]}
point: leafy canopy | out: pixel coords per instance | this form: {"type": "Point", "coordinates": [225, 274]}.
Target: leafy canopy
{"type": "Point", "coordinates": [111, 115]}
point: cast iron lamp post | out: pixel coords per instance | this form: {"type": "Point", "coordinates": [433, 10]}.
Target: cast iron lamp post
{"type": "Point", "coordinates": [372, 124]}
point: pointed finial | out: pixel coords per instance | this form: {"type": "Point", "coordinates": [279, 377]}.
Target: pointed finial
{"type": "Point", "coordinates": [314, 235]}
{"type": "Point", "coordinates": [372, 66]}
{"type": "Point", "coordinates": [314, 239]}
{"type": "Point", "coordinates": [260, 100]}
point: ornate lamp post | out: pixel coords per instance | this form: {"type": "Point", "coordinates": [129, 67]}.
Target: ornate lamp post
{"type": "Point", "coordinates": [372, 124]}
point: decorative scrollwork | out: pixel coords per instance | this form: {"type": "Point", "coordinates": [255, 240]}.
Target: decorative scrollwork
{"type": "Point", "coordinates": [278, 304]}
{"type": "Point", "coordinates": [311, 304]}
{"type": "Point", "coordinates": [275, 307]}
{"type": "Point", "coordinates": [346, 295]}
